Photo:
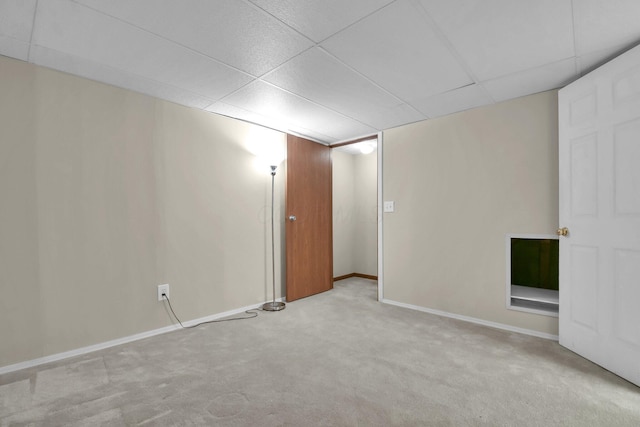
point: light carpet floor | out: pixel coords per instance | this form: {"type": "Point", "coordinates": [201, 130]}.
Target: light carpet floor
{"type": "Point", "coordinates": [335, 359]}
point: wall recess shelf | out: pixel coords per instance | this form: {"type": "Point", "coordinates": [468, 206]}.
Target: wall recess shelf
{"type": "Point", "coordinates": [530, 298]}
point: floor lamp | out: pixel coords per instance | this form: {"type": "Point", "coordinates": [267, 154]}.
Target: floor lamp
{"type": "Point", "coordinates": [273, 305]}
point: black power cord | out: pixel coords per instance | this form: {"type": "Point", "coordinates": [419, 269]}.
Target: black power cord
{"type": "Point", "coordinates": [254, 314]}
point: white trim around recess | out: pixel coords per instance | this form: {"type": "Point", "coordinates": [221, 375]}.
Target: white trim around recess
{"type": "Point", "coordinates": [508, 238]}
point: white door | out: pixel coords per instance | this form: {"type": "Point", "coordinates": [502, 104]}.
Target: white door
{"type": "Point", "coordinates": [599, 155]}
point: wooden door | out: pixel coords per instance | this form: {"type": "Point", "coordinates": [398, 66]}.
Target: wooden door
{"type": "Point", "coordinates": [599, 154]}
{"type": "Point", "coordinates": [308, 219]}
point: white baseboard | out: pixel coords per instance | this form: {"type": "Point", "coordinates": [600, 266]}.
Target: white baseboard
{"type": "Point", "coordinates": [474, 320]}
{"type": "Point", "coordinates": [120, 341]}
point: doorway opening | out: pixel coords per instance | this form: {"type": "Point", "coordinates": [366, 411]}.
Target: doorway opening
{"type": "Point", "coordinates": [355, 208]}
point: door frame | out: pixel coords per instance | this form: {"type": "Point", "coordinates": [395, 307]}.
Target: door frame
{"type": "Point", "coordinates": [379, 202]}
{"type": "Point", "coordinates": [380, 221]}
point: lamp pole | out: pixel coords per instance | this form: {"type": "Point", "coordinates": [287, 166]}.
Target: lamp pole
{"type": "Point", "coordinates": [273, 305]}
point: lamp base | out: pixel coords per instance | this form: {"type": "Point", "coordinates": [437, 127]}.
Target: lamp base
{"type": "Point", "coordinates": [273, 306]}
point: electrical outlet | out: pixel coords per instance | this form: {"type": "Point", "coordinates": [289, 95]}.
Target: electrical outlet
{"type": "Point", "coordinates": [389, 206]}
{"type": "Point", "coordinates": [163, 289]}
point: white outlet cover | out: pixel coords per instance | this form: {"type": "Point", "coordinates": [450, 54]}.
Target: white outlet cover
{"type": "Point", "coordinates": [163, 289]}
{"type": "Point", "coordinates": [389, 206]}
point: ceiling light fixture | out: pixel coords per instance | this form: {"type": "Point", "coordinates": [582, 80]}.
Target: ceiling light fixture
{"type": "Point", "coordinates": [366, 148]}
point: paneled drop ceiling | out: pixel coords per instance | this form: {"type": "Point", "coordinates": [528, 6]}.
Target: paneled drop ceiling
{"type": "Point", "coordinates": [330, 70]}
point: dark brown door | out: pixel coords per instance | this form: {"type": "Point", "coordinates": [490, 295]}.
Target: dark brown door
{"type": "Point", "coordinates": [308, 218]}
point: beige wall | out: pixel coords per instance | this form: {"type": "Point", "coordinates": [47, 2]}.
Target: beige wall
{"type": "Point", "coordinates": [355, 245]}
{"type": "Point", "coordinates": [105, 194]}
{"type": "Point", "coordinates": [461, 183]}
{"type": "Point", "coordinates": [365, 255]}
{"type": "Point", "coordinates": [343, 212]}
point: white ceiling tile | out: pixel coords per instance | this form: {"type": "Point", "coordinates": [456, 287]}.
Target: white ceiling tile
{"type": "Point", "coordinates": [499, 37]}
{"type": "Point", "coordinates": [79, 31]}
{"type": "Point", "coordinates": [536, 80]}
{"type": "Point", "coordinates": [318, 19]}
{"type": "Point", "coordinates": [453, 101]}
{"type": "Point", "coordinates": [268, 122]}
{"type": "Point", "coordinates": [14, 48]}
{"type": "Point", "coordinates": [270, 101]}
{"type": "Point", "coordinates": [16, 23]}
{"type": "Point", "coordinates": [312, 135]}
{"type": "Point", "coordinates": [231, 31]}
{"type": "Point", "coordinates": [393, 116]}
{"type": "Point", "coordinates": [380, 63]}
{"type": "Point", "coordinates": [16, 18]}
{"type": "Point", "coordinates": [105, 74]}
{"type": "Point", "coordinates": [248, 116]}
{"type": "Point", "coordinates": [590, 61]}
{"type": "Point", "coordinates": [318, 76]}
{"type": "Point", "coordinates": [605, 24]}
{"type": "Point", "coordinates": [398, 50]}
